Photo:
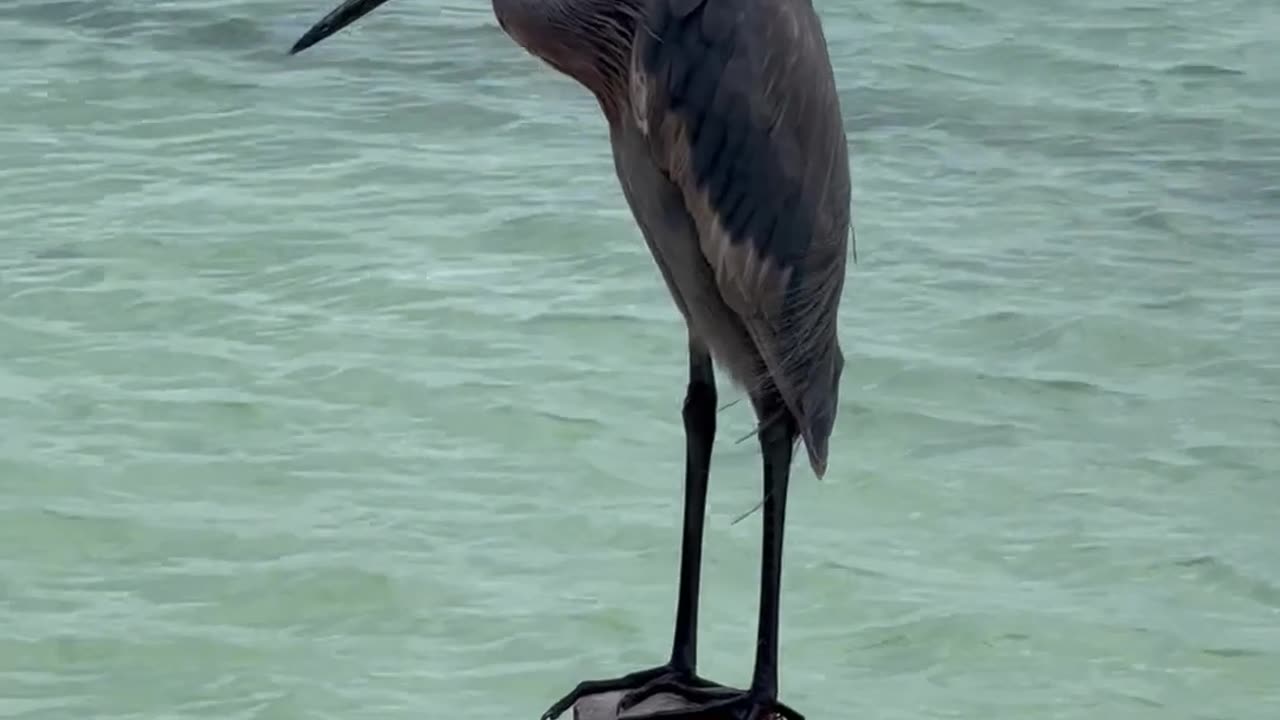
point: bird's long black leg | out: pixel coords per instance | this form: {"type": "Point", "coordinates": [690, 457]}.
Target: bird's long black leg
{"type": "Point", "coordinates": [700, 432]}
{"type": "Point", "coordinates": [777, 443]}
{"type": "Point", "coordinates": [699, 415]}
{"type": "Point", "coordinates": [713, 701]}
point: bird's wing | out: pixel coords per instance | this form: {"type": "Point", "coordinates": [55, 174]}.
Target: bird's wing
{"type": "Point", "coordinates": [738, 102]}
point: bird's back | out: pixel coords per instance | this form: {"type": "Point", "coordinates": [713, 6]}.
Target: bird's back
{"type": "Point", "coordinates": [739, 106]}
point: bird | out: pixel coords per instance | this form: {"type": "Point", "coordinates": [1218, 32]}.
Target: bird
{"type": "Point", "coordinates": [729, 145]}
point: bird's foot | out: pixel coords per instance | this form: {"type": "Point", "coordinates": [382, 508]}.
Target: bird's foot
{"type": "Point", "coordinates": [681, 684]}
{"type": "Point", "coordinates": [710, 701]}
{"type": "Point", "coordinates": [635, 682]}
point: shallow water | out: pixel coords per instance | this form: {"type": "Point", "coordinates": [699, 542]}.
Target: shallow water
{"type": "Point", "coordinates": [342, 386]}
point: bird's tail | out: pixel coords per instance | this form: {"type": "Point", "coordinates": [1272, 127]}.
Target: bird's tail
{"type": "Point", "coordinates": [819, 399]}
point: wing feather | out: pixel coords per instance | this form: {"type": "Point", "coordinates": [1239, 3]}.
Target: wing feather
{"type": "Point", "coordinates": [739, 105]}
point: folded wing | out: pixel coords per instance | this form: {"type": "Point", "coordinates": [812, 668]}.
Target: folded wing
{"type": "Point", "coordinates": [737, 100]}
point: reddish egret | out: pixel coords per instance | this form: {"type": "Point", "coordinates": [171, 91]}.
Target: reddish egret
{"type": "Point", "coordinates": [729, 144]}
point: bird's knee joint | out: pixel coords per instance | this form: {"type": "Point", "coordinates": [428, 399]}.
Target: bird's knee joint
{"type": "Point", "coordinates": [699, 402]}
{"type": "Point", "coordinates": [779, 431]}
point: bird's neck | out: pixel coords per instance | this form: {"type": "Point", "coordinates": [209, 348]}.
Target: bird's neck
{"type": "Point", "coordinates": [588, 40]}
{"type": "Point", "coordinates": [609, 37]}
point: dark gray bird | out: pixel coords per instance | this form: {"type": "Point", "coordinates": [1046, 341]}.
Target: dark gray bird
{"type": "Point", "coordinates": [729, 143]}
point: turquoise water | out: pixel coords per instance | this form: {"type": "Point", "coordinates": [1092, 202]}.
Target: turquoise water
{"type": "Point", "coordinates": [342, 385]}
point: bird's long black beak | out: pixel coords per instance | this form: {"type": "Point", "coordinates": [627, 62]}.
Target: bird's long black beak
{"type": "Point", "coordinates": [342, 16]}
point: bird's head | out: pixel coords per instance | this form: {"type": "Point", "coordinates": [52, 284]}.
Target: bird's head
{"type": "Point", "coordinates": [538, 25]}
{"type": "Point", "coordinates": [589, 40]}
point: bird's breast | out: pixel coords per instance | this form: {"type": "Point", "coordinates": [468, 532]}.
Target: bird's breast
{"type": "Point", "coordinates": [588, 40]}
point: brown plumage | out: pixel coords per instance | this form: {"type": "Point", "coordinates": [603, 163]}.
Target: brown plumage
{"type": "Point", "coordinates": [734, 103]}
{"type": "Point", "coordinates": [729, 146]}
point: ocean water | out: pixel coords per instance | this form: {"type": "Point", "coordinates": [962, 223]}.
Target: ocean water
{"type": "Point", "coordinates": [342, 385]}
